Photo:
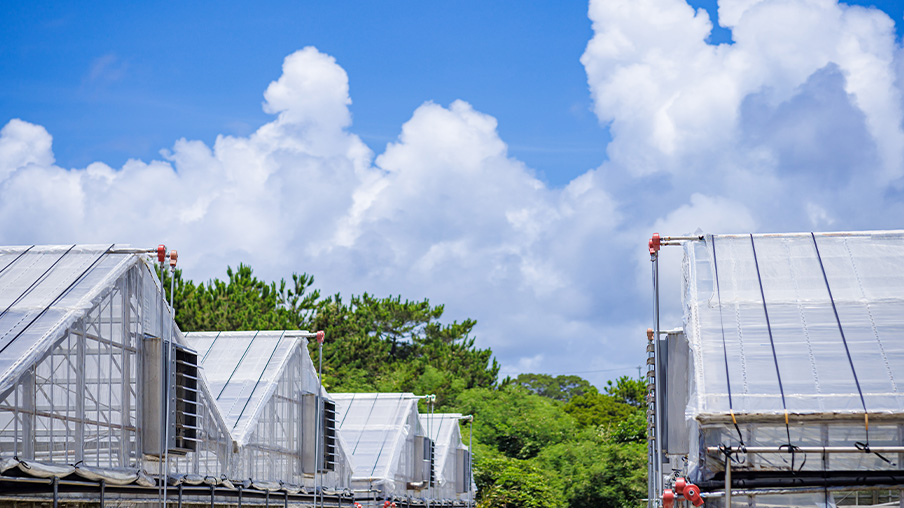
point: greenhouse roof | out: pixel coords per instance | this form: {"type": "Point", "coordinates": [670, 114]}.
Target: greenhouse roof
{"type": "Point", "coordinates": [242, 370]}
{"type": "Point", "coordinates": [43, 289]}
{"type": "Point", "coordinates": [374, 426]}
{"type": "Point", "coordinates": [443, 430]}
{"type": "Point", "coordinates": [804, 324]}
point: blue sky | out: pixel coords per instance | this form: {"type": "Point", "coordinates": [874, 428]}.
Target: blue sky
{"type": "Point", "coordinates": [508, 159]}
{"type": "Point", "coordinates": [119, 80]}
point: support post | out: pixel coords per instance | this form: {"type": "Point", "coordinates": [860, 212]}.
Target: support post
{"type": "Point", "coordinates": [727, 480]}
{"type": "Point", "coordinates": [657, 412]}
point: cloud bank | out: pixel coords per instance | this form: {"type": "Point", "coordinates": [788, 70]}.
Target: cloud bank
{"type": "Point", "coordinates": [794, 126]}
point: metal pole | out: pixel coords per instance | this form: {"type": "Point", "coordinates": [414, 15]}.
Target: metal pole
{"type": "Point", "coordinates": [319, 424]}
{"type": "Point", "coordinates": [166, 389]}
{"type": "Point", "coordinates": [470, 461]}
{"type": "Point", "coordinates": [812, 449]}
{"type": "Point", "coordinates": [727, 481]}
{"type": "Point", "coordinates": [657, 396]}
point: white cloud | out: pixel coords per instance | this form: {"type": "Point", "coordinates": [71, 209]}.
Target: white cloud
{"type": "Point", "coordinates": [797, 125]}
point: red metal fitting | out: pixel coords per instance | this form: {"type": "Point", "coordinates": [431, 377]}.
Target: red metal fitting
{"type": "Point", "coordinates": [650, 334]}
{"type": "Point", "coordinates": [680, 483]}
{"type": "Point", "coordinates": [654, 244]}
{"type": "Point", "coordinates": [320, 336]}
{"type": "Point", "coordinates": [692, 494]}
{"type": "Point", "coordinates": [173, 257]}
{"type": "Point", "coordinates": [668, 498]}
{"type": "Point", "coordinates": [161, 253]}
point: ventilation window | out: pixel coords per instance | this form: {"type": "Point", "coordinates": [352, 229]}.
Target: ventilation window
{"type": "Point", "coordinates": [318, 453]}
{"type": "Point", "coordinates": [186, 384]}
{"type": "Point", "coordinates": [423, 461]}
{"type": "Point", "coordinates": [463, 470]}
{"type": "Point", "coordinates": [169, 380]}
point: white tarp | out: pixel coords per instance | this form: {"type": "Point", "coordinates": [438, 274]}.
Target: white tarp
{"type": "Point", "coordinates": [806, 324]}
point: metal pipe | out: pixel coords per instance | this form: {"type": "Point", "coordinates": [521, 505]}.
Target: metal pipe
{"type": "Point", "coordinates": [657, 460]}
{"type": "Point", "coordinates": [810, 449]}
{"type": "Point", "coordinates": [56, 492]}
{"type": "Point", "coordinates": [728, 481]}
{"type": "Point", "coordinates": [319, 424]}
{"type": "Point", "coordinates": [681, 238]}
{"type": "Point", "coordinates": [103, 486]}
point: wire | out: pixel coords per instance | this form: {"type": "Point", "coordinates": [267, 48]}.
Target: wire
{"type": "Point", "coordinates": [841, 331]}
{"type": "Point", "coordinates": [58, 297]}
{"type": "Point", "coordinates": [778, 373]}
{"type": "Point", "coordinates": [724, 346]}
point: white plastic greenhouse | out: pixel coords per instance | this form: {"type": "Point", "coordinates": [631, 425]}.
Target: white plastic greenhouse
{"type": "Point", "coordinates": [392, 453]}
{"type": "Point", "coordinates": [452, 463]}
{"type": "Point", "coordinates": [101, 397]}
{"type": "Point", "coordinates": [785, 384]}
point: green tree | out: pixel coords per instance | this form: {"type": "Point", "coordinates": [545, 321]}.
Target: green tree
{"type": "Point", "coordinates": [561, 388]}
{"type": "Point", "coordinates": [628, 390]}
{"type": "Point", "coordinates": [598, 409]}
{"type": "Point", "coordinates": [511, 483]}
{"type": "Point", "coordinates": [516, 422]}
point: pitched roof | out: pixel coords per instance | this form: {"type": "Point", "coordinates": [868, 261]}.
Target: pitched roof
{"type": "Point", "coordinates": [803, 323]}
{"type": "Point", "coordinates": [443, 429]}
{"type": "Point", "coordinates": [375, 425]}
{"type": "Point", "coordinates": [44, 289]}
{"type": "Point", "coordinates": [243, 369]}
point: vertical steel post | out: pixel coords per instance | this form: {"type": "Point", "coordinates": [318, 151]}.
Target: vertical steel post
{"type": "Point", "coordinates": [319, 426]}
{"type": "Point", "coordinates": [470, 461]}
{"type": "Point", "coordinates": [727, 480]}
{"type": "Point", "coordinates": [657, 413]}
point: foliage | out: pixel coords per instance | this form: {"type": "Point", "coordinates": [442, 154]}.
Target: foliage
{"type": "Point", "coordinates": [505, 482]}
{"type": "Point", "coordinates": [373, 344]}
{"type": "Point", "coordinates": [516, 422]}
{"type": "Point", "coordinates": [598, 474]}
{"type": "Point", "coordinates": [561, 388]}
{"type": "Point", "coordinates": [540, 441]}
{"type": "Point", "coordinates": [598, 409]}
{"type": "Point", "coordinates": [628, 391]}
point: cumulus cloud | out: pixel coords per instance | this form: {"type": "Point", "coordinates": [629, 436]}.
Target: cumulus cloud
{"type": "Point", "coordinates": [794, 126]}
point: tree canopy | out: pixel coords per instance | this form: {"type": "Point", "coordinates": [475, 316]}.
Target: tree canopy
{"type": "Point", "coordinates": [540, 441]}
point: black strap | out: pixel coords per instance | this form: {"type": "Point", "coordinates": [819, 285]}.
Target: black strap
{"type": "Point", "coordinates": [16, 259]}
{"type": "Point", "coordinates": [34, 282]}
{"type": "Point", "coordinates": [840, 328]}
{"type": "Point", "coordinates": [259, 378]}
{"type": "Point", "coordinates": [247, 348]}
{"type": "Point", "coordinates": [724, 346]}
{"type": "Point", "coordinates": [59, 296]}
{"type": "Point", "coordinates": [778, 373]}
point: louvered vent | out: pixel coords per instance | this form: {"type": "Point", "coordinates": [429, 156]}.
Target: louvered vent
{"type": "Point", "coordinates": [186, 370]}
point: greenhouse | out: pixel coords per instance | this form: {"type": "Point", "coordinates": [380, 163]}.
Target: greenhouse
{"type": "Point", "coordinates": [268, 392]}
{"type": "Point", "coordinates": [781, 387]}
{"type": "Point", "coordinates": [452, 464]}
{"type": "Point", "coordinates": [390, 448]}
{"type": "Point", "coordinates": [102, 398]}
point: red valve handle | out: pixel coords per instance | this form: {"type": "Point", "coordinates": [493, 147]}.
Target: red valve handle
{"type": "Point", "coordinates": [692, 493]}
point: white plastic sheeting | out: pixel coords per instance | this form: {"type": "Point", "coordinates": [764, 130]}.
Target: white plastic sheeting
{"type": "Point", "coordinates": [444, 429]}
{"type": "Point", "coordinates": [379, 430]}
{"type": "Point", "coordinates": [798, 323]}
{"type": "Point", "coordinates": [42, 290]}
{"type": "Point", "coordinates": [257, 379]}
